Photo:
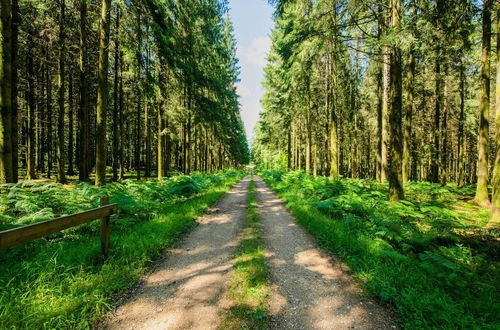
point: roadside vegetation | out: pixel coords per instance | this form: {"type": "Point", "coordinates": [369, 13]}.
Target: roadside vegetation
{"type": "Point", "coordinates": [63, 281]}
{"type": "Point", "coordinates": [431, 256]}
{"type": "Point", "coordinates": [248, 287]}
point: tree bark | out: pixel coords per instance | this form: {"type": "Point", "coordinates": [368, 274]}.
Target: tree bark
{"type": "Point", "coordinates": [461, 136]}
{"type": "Point", "coordinates": [408, 117]}
{"type": "Point", "coordinates": [16, 21]}
{"type": "Point", "coordinates": [84, 111]}
{"type": "Point", "coordinates": [48, 82]}
{"type": "Point", "coordinates": [396, 192]}
{"type": "Point", "coordinates": [61, 174]}
{"type": "Point", "coordinates": [494, 220]}
{"type": "Point", "coordinates": [71, 123]}
{"type": "Point", "coordinates": [116, 92]}
{"type": "Point", "coordinates": [102, 92]}
{"type": "Point", "coordinates": [482, 196]}
{"type": "Point", "coordinates": [6, 146]}
{"type": "Point", "coordinates": [30, 157]}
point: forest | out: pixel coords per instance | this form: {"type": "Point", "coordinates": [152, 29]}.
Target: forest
{"type": "Point", "coordinates": [368, 196]}
{"type": "Point", "coordinates": [394, 91]}
{"type": "Point", "coordinates": [143, 87]}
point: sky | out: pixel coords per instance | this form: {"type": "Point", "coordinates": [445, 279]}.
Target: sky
{"type": "Point", "coordinates": [252, 20]}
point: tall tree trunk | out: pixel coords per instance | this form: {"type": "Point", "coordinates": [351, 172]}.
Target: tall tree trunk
{"type": "Point", "coordinates": [331, 100]}
{"type": "Point", "coordinates": [147, 110]}
{"type": "Point", "coordinates": [61, 174]}
{"type": "Point", "coordinates": [386, 66]}
{"type": "Point", "coordinates": [16, 21]}
{"type": "Point", "coordinates": [147, 133]}
{"type": "Point", "coordinates": [484, 108]}
{"type": "Point", "coordinates": [42, 122]}
{"type": "Point", "coordinates": [49, 140]}
{"type": "Point", "coordinates": [408, 117]}
{"type": "Point", "coordinates": [443, 168]}
{"type": "Point", "coordinates": [6, 134]}
{"type": "Point", "coordinates": [188, 139]}
{"type": "Point", "coordinates": [137, 151]}
{"type": "Point", "coordinates": [116, 95]}
{"type": "Point", "coordinates": [462, 144]}
{"type": "Point", "coordinates": [162, 121]}
{"type": "Point", "coordinates": [121, 120]}
{"type": "Point", "coordinates": [30, 157]}
{"type": "Point", "coordinates": [71, 123]}
{"type": "Point", "coordinates": [396, 192]}
{"type": "Point", "coordinates": [83, 111]}
{"type": "Point", "coordinates": [102, 92]}
{"type": "Point", "coordinates": [494, 220]}
{"type": "Point", "coordinates": [437, 118]}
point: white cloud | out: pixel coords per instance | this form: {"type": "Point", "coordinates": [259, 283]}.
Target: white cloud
{"type": "Point", "coordinates": [242, 90]}
{"type": "Point", "coordinates": [256, 53]}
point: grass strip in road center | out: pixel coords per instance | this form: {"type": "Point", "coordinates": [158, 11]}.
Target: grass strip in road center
{"type": "Point", "coordinates": [248, 287]}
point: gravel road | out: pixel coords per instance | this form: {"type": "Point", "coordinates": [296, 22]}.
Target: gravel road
{"type": "Point", "coordinates": [309, 289]}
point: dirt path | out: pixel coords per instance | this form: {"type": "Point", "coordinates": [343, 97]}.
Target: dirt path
{"type": "Point", "coordinates": [185, 290]}
{"type": "Point", "coordinates": [310, 290]}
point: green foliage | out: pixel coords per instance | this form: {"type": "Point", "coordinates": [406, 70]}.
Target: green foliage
{"type": "Point", "coordinates": [63, 281]}
{"type": "Point", "coordinates": [429, 256]}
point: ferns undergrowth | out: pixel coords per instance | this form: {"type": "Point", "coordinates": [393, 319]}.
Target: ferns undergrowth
{"type": "Point", "coordinates": [429, 256]}
{"type": "Point", "coordinates": [64, 281]}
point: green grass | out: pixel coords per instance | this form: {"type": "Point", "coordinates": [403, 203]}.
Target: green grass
{"type": "Point", "coordinates": [429, 257]}
{"type": "Point", "coordinates": [64, 281]}
{"type": "Point", "coordinates": [248, 287]}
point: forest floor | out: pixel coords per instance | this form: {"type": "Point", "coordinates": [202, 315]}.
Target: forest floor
{"type": "Point", "coordinates": [326, 254]}
{"type": "Point", "coordinates": [308, 289]}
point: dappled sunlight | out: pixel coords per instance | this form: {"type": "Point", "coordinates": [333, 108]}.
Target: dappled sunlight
{"type": "Point", "coordinates": [311, 290]}
{"type": "Point", "coordinates": [314, 261]}
{"type": "Point", "coordinates": [186, 289]}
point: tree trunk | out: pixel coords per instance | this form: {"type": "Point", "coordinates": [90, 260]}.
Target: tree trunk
{"type": "Point", "coordinates": [437, 119]}
{"type": "Point", "coordinates": [385, 114]}
{"type": "Point", "coordinates": [48, 82]}
{"type": "Point", "coordinates": [6, 134]}
{"type": "Point", "coordinates": [443, 168]}
{"type": "Point", "coordinates": [494, 220]}
{"type": "Point", "coordinates": [61, 174]}
{"type": "Point", "coordinates": [116, 95]}
{"type": "Point", "coordinates": [30, 157]}
{"type": "Point", "coordinates": [102, 92]}
{"type": "Point", "coordinates": [121, 120]}
{"type": "Point", "coordinates": [484, 108]}
{"type": "Point", "coordinates": [71, 114]}
{"type": "Point", "coordinates": [408, 118]}
{"type": "Point", "coordinates": [137, 151]}
{"type": "Point", "coordinates": [396, 192]}
{"type": "Point", "coordinates": [41, 121]}
{"type": "Point", "coordinates": [84, 111]}
{"type": "Point", "coordinates": [332, 108]}
{"type": "Point", "coordinates": [16, 21]}
{"type": "Point", "coordinates": [461, 136]}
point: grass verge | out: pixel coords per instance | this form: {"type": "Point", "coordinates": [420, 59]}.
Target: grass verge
{"type": "Point", "coordinates": [248, 287]}
{"type": "Point", "coordinates": [429, 256]}
{"type": "Point", "coordinates": [64, 282]}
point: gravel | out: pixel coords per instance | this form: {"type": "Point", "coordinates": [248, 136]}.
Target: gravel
{"type": "Point", "coordinates": [310, 289]}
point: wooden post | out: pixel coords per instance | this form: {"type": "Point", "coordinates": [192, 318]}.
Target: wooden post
{"type": "Point", "coordinates": [105, 229]}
